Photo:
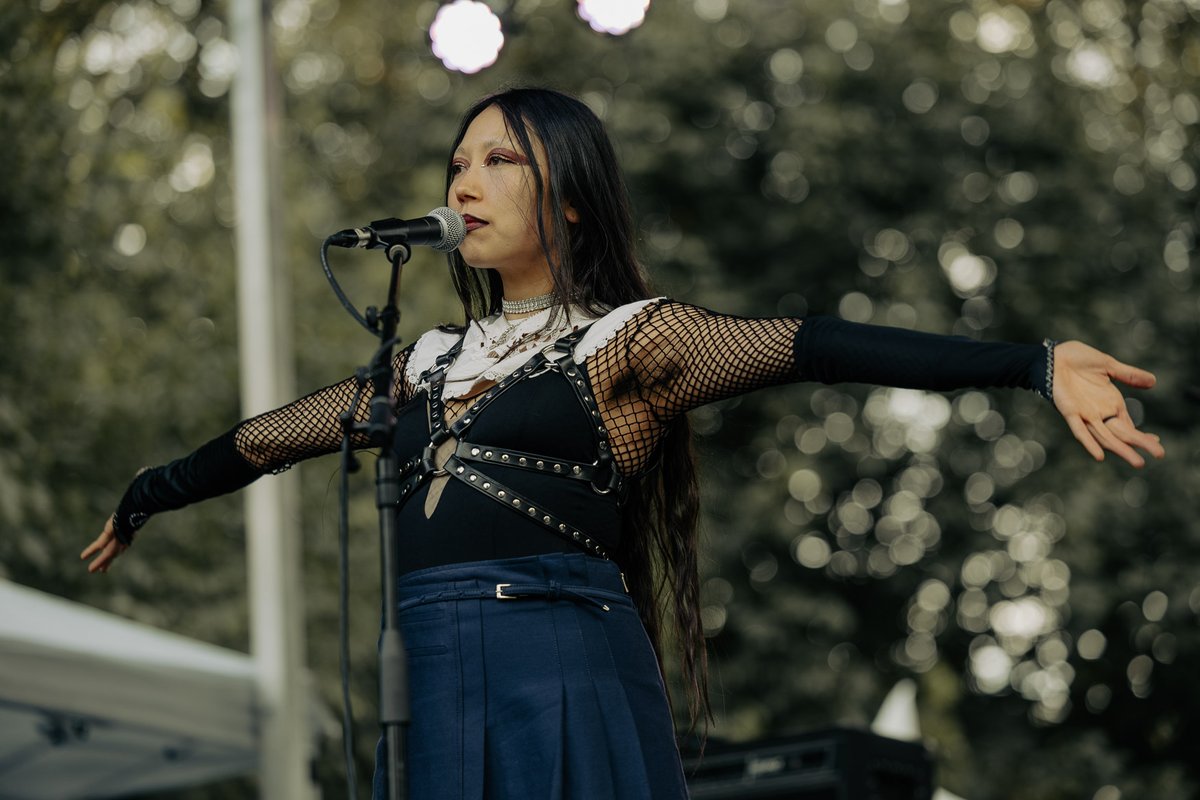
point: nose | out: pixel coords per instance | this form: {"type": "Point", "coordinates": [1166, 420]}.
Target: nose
{"type": "Point", "coordinates": [465, 186]}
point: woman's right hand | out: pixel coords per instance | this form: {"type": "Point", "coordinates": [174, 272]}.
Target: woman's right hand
{"type": "Point", "coordinates": [106, 548]}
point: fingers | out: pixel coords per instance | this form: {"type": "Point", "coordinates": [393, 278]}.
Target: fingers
{"type": "Point", "coordinates": [1104, 434]}
{"type": "Point", "coordinates": [1125, 429]}
{"type": "Point", "coordinates": [1134, 376]}
{"type": "Point", "coordinates": [104, 547]}
{"type": "Point", "coordinates": [1118, 435]}
{"type": "Point", "coordinates": [1083, 434]}
{"type": "Point", "coordinates": [103, 562]}
{"type": "Point", "coordinates": [97, 544]}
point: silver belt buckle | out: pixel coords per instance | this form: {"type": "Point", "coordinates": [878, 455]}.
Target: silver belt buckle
{"type": "Point", "coordinates": [500, 595]}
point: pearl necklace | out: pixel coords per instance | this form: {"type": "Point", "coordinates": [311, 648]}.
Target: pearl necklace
{"type": "Point", "coordinates": [529, 304]}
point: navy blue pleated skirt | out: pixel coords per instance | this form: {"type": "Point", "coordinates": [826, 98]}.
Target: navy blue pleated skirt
{"type": "Point", "coordinates": [554, 694]}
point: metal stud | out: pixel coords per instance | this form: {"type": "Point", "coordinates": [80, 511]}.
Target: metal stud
{"type": "Point", "coordinates": [504, 456]}
{"type": "Point", "coordinates": [502, 493]}
{"type": "Point", "coordinates": [562, 527]}
{"type": "Point", "coordinates": [516, 502]}
{"type": "Point", "coordinates": [487, 453]}
{"type": "Point", "coordinates": [541, 464]}
{"type": "Point", "coordinates": [474, 451]}
{"type": "Point", "coordinates": [575, 535]}
{"type": "Point", "coordinates": [461, 470]}
{"type": "Point", "coordinates": [546, 519]}
{"type": "Point", "coordinates": [472, 478]}
{"type": "Point", "coordinates": [532, 510]}
{"type": "Point", "coordinates": [576, 470]}
{"type": "Point", "coordinates": [522, 461]}
{"type": "Point", "coordinates": [486, 484]}
{"type": "Point", "coordinates": [558, 467]}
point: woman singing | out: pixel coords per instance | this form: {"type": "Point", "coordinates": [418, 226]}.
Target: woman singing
{"type": "Point", "coordinates": [548, 513]}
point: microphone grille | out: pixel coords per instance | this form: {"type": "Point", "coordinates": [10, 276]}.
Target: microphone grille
{"type": "Point", "coordinates": [454, 229]}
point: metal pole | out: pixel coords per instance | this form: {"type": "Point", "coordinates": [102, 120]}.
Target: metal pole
{"type": "Point", "coordinates": [272, 535]}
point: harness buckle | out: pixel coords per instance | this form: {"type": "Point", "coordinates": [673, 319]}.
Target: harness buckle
{"type": "Point", "coordinates": [500, 595]}
{"type": "Point", "coordinates": [543, 368]}
{"type": "Point", "coordinates": [612, 481]}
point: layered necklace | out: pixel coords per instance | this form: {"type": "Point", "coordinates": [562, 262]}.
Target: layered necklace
{"type": "Point", "coordinates": [503, 343]}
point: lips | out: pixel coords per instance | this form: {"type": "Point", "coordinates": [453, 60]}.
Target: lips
{"type": "Point", "coordinates": [473, 223]}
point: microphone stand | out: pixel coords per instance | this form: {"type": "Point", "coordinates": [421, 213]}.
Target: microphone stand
{"type": "Point", "coordinates": [394, 711]}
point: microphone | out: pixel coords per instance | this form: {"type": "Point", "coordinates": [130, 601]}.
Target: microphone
{"type": "Point", "coordinates": [443, 229]}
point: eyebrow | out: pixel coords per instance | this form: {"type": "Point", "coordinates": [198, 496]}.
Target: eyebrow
{"type": "Point", "coordinates": [489, 143]}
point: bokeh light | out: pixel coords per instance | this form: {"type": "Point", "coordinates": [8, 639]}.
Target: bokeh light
{"type": "Point", "coordinates": [613, 16]}
{"type": "Point", "coordinates": [466, 36]}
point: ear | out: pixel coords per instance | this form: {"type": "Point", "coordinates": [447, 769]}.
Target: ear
{"type": "Point", "coordinates": [570, 213]}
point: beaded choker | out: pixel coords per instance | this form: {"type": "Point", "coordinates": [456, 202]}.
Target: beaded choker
{"type": "Point", "coordinates": [527, 305]}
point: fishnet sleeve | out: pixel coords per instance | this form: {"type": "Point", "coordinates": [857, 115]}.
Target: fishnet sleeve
{"type": "Point", "coordinates": [270, 442]}
{"type": "Point", "coordinates": [311, 426]}
{"type": "Point", "coordinates": [672, 357]}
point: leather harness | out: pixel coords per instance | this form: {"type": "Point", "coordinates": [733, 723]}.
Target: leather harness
{"type": "Point", "coordinates": [470, 460]}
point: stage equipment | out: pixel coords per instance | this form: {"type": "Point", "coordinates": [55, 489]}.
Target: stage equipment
{"type": "Point", "coordinates": [830, 764]}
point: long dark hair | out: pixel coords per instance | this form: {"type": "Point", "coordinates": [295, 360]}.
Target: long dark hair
{"type": "Point", "coordinates": [594, 266]}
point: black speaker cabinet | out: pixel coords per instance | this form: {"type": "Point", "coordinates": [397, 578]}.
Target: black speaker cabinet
{"type": "Point", "coordinates": [833, 764]}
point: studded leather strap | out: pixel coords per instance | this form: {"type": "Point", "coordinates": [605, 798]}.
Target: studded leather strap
{"type": "Point", "coordinates": [472, 452]}
{"type": "Point", "coordinates": [507, 497]}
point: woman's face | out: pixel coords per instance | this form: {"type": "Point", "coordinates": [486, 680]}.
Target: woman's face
{"type": "Point", "coordinates": [492, 186]}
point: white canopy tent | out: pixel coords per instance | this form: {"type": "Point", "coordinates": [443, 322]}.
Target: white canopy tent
{"type": "Point", "coordinates": [93, 705]}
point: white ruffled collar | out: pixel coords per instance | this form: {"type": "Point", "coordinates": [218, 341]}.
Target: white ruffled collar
{"type": "Point", "coordinates": [493, 347]}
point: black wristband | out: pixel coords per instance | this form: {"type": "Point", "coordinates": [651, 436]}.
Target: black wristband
{"type": "Point", "coordinates": [215, 468]}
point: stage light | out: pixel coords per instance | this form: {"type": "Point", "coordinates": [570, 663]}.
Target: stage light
{"type": "Point", "coordinates": [613, 16]}
{"type": "Point", "coordinates": [466, 36]}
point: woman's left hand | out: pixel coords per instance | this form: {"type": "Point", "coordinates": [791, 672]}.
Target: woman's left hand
{"type": "Point", "coordinates": [106, 548]}
{"type": "Point", "coordinates": [1093, 406]}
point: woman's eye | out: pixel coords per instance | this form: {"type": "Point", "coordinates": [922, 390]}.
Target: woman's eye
{"type": "Point", "coordinates": [456, 168]}
{"type": "Point", "coordinates": [498, 158]}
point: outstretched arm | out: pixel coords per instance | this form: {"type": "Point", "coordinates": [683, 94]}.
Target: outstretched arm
{"type": "Point", "coordinates": [682, 356]}
{"type": "Point", "coordinates": [270, 442]}
{"type": "Point", "coordinates": [1087, 397]}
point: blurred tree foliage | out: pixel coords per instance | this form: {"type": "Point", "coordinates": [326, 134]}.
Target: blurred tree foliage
{"type": "Point", "coordinates": [998, 170]}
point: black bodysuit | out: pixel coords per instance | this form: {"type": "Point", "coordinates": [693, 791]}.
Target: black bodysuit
{"type": "Point", "coordinates": [663, 360]}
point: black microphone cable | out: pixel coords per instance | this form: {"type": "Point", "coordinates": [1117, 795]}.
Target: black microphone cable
{"type": "Point", "coordinates": [337, 288]}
